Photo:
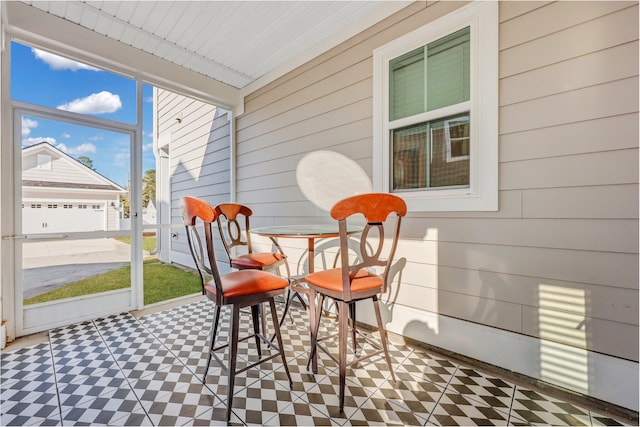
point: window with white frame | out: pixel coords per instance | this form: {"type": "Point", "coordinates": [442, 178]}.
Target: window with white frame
{"type": "Point", "coordinates": [436, 113]}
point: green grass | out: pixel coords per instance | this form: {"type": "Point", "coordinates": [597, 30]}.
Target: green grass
{"type": "Point", "coordinates": [161, 282]}
{"type": "Point", "coordinates": [148, 242]}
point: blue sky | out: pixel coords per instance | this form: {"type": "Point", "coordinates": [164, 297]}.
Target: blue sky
{"type": "Point", "coordinates": [41, 78]}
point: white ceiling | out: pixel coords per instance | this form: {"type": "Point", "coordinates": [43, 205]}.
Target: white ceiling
{"type": "Point", "coordinates": [234, 42]}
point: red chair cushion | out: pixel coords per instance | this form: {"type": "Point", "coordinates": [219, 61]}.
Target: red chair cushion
{"type": "Point", "coordinates": [332, 280]}
{"type": "Point", "coordinates": [256, 260]}
{"type": "Point", "coordinates": [247, 282]}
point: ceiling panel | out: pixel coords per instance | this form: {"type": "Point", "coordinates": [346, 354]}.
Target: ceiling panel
{"type": "Point", "coordinates": [235, 42]}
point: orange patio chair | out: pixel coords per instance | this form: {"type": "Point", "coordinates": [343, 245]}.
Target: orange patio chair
{"type": "Point", "coordinates": [238, 289]}
{"type": "Point", "coordinates": [237, 234]}
{"type": "Point", "coordinates": [356, 280]}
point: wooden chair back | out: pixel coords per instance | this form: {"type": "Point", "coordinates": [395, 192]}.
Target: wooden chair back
{"type": "Point", "coordinates": [196, 213]}
{"type": "Point", "coordinates": [237, 230]}
{"type": "Point", "coordinates": [376, 209]}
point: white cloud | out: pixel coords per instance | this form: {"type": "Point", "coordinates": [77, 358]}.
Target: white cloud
{"type": "Point", "coordinates": [27, 125]}
{"type": "Point", "coordinates": [85, 148]}
{"type": "Point", "coordinates": [56, 62]}
{"type": "Point", "coordinates": [96, 103]}
{"type": "Point", "coordinates": [121, 159]}
{"type": "Point", "coordinates": [26, 142]}
{"type": "Point", "coordinates": [66, 135]}
{"type": "Point", "coordinates": [147, 147]}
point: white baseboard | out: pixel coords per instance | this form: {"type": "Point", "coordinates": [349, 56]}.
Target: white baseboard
{"type": "Point", "coordinates": [603, 377]}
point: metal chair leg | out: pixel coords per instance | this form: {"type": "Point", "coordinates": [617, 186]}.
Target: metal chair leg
{"type": "Point", "coordinates": [315, 317]}
{"type": "Point", "coordinates": [289, 296]}
{"type": "Point", "coordinates": [274, 317]}
{"type": "Point", "coordinates": [287, 303]}
{"type": "Point", "coordinates": [343, 323]}
{"type": "Point", "coordinates": [214, 332]}
{"type": "Point", "coordinates": [233, 353]}
{"type": "Point", "coordinates": [383, 336]}
{"type": "Point", "coordinates": [256, 316]}
{"type": "Point", "coordinates": [352, 318]}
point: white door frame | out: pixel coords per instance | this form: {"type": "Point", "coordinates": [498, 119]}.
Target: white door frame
{"type": "Point", "coordinates": [39, 317]}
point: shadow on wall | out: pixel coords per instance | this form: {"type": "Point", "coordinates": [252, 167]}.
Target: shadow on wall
{"type": "Point", "coordinates": [199, 166]}
{"type": "Point", "coordinates": [394, 282]}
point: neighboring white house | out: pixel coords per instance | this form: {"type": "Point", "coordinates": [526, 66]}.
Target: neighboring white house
{"type": "Point", "coordinates": [60, 194]}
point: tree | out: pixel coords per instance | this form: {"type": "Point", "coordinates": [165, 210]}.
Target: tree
{"type": "Point", "coordinates": [148, 186]}
{"type": "Point", "coordinates": [87, 162]}
{"type": "Point", "coordinates": [124, 202]}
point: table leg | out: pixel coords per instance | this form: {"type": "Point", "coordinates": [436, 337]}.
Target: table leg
{"type": "Point", "coordinates": [312, 301]}
{"type": "Point", "coordinates": [312, 250]}
{"type": "Point", "coordinates": [312, 329]}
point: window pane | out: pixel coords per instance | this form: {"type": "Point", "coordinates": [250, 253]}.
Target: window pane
{"type": "Point", "coordinates": [406, 85]}
{"type": "Point", "coordinates": [446, 77]}
{"type": "Point", "coordinates": [410, 157]}
{"type": "Point", "coordinates": [431, 154]}
{"type": "Point", "coordinates": [448, 61]}
{"type": "Point", "coordinates": [450, 152]}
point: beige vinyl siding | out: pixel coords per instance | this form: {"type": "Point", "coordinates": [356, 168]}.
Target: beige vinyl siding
{"type": "Point", "coordinates": [567, 222]}
{"type": "Point", "coordinates": [199, 155]}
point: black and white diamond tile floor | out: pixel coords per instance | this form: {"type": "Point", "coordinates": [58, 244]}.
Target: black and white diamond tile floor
{"type": "Point", "coordinates": [123, 370]}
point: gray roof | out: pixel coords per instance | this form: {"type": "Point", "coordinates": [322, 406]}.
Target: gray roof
{"type": "Point", "coordinates": [70, 185]}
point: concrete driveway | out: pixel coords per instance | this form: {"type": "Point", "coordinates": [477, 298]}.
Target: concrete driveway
{"type": "Point", "coordinates": [49, 265]}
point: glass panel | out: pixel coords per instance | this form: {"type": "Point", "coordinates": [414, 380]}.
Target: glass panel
{"type": "Point", "coordinates": [449, 152]}
{"type": "Point", "coordinates": [407, 85]}
{"type": "Point", "coordinates": [431, 154]}
{"type": "Point", "coordinates": [446, 76]}
{"type": "Point", "coordinates": [410, 157]}
{"type": "Point", "coordinates": [77, 175]}
{"type": "Point", "coordinates": [448, 66]}
{"type": "Point", "coordinates": [44, 78]}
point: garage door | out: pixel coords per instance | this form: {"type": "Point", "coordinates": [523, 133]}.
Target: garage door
{"type": "Point", "coordinates": [56, 217]}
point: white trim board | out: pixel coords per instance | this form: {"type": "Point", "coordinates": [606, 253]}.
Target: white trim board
{"type": "Point", "coordinates": [77, 309]}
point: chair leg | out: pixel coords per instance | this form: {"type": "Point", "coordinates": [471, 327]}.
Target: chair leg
{"type": "Point", "coordinates": [263, 320]}
{"type": "Point", "coordinates": [352, 316]}
{"type": "Point", "coordinates": [214, 332]}
{"type": "Point", "coordinates": [314, 320]}
{"type": "Point", "coordinates": [343, 323]}
{"type": "Point", "coordinates": [233, 350]}
{"type": "Point", "coordinates": [256, 316]}
{"type": "Point", "coordinates": [287, 303]}
{"type": "Point", "coordinates": [383, 336]}
{"type": "Point", "coordinates": [274, 317]}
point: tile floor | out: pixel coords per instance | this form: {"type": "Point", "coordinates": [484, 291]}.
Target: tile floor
{"type": "Point", "coordinates": [147, 370]}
